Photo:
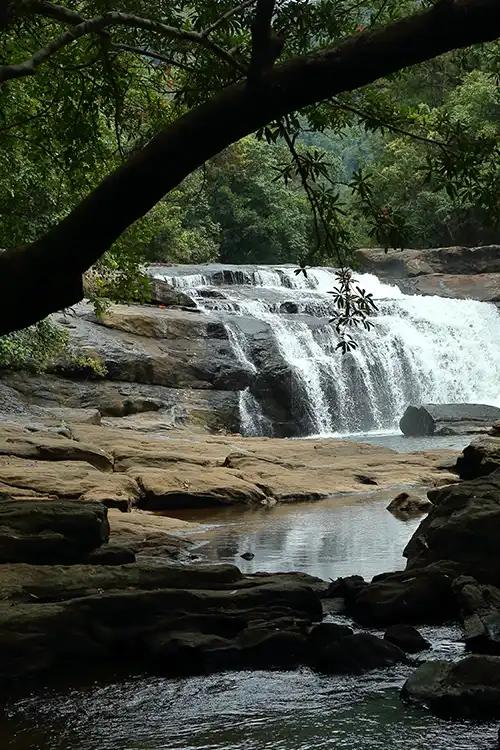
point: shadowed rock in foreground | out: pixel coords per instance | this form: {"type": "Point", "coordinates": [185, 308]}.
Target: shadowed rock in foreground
{"type": "Point", "coordinates": [463, 527]}
{"type": "Point", "coordinates": [467, 689]}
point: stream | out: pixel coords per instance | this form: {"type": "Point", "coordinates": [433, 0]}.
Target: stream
{"type": "Point", "coordinates": [297, 710]}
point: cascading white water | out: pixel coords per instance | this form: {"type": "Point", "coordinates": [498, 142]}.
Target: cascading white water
{"type": "Point", "coordinates": [421, 349]}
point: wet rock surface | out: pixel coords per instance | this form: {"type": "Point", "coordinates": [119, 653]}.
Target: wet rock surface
{"type": "Point", "coordinates": [463, 527]}
{"type": "Point", "coordinates": [467, 689]}
{"type": "Point", "coordinates": [448, 419]}
{"type": "Point", "coordinates": [355, 654]}
{"type": "Point", "coordinates": [422, 596]}
{"type": "Point", "coordinates": [168, 618]}
{"type": "Point", "coordinates": [406, 638]}
{"type": "Point", "coordinates": [480, 613]}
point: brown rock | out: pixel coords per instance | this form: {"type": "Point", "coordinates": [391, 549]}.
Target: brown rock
{"type": "Point", "coordinates": [68, 480]}
{"type": "Point", "coordinates": [17, 440]}
{"type": "Point", "coordinates": [187, 486]}
{"type": "Point", "coordinates": [406, 505]}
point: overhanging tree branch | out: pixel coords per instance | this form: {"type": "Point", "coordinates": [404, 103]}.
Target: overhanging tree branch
{"type": "Point", "coordinates": [46, 275]}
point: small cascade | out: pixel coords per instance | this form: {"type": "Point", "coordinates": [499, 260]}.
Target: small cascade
{"type": "Point", "coordinates": [253, 423]}
{"type": "Point", "coordinates": [240, 347]}
{"type": "Point", "coordinates": [421, 349]}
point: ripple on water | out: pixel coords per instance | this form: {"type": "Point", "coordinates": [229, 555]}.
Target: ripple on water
{"type": "Point", "coordinates": [251, 711]}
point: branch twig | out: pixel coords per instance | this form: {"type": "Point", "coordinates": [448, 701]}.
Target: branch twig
{"type": "Point", "coordinates": [97, 25]}
{"type": "Point", "coordinates": [229, 14]}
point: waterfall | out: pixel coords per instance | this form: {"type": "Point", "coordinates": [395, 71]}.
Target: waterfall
{"type": "Point", "coordinates": [421, 349]}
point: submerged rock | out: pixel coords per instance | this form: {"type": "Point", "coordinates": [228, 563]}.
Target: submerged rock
{"type": "Point", "coordinates": [355, 654]}
{"type": "Point", "coordinates": [406, 505]}
{"type": "Point", "coordinates": [448, 419]}
{"type": "Point", "coordinates": [466, 689]}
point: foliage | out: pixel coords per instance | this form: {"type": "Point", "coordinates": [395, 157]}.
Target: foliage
{"type": "Point", "coordinates": [34, 348]}
{"type": "Point", "coordinates": [46, 346]}
{"type": "Point", "coordinates": [435, 193]}
{"type": "Point", "coordinates": [82, 365]}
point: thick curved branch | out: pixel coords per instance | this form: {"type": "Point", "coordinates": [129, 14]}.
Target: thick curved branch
{"type": "Point", "coordinates": [46, 275]}
{"type": "Point", "coordinates": [99, 24]}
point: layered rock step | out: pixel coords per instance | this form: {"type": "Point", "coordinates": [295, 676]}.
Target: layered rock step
{"type": "Point", "coordinates": [123, 468]}
{"type": "Point", "coordinates": [457, 272]}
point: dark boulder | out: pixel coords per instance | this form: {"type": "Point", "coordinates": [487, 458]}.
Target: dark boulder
{"type": "Point", "coordinates": [406, 638]}
{"type": "Point", "coordinates": [323, 635]}
{"type": "Point", "coordinates": [480, 458]}
{"type": "Point", "coordinates": [464, 527]}
{"type": "Point", "coordinates": [355, 654]}
{"type": "Point", "coordinates": [110, 554]}
{"type": "Point", "coordinates": [46, 532]}
{"type": "Point", "coordinates": [289, 308]}
{"type": "Point", "coordinates": [165, 618]}
{"type": "Point", "coordinates": [480, 612]}
{"type": "Point", "coordinates": [346, 588]}
{"type": "Point", "coordinates": [420, 596]}
{"type": "Point", "coordinates": [264, 648]}
{"type": "Point", "coordinates": [466, 689]}
{"type": "Point", "coordinates": [448, 419]}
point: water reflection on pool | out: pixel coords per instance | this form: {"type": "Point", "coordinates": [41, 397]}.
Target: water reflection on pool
{"type": "Point", "coordinates": [343, 535]}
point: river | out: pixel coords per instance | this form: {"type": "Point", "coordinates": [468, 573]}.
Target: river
{"type": "Point", "coordinates": [297, 710]}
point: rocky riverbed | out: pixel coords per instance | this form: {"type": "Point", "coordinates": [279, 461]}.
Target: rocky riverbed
{"type": "Point", "coordinates": [89, 573]}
